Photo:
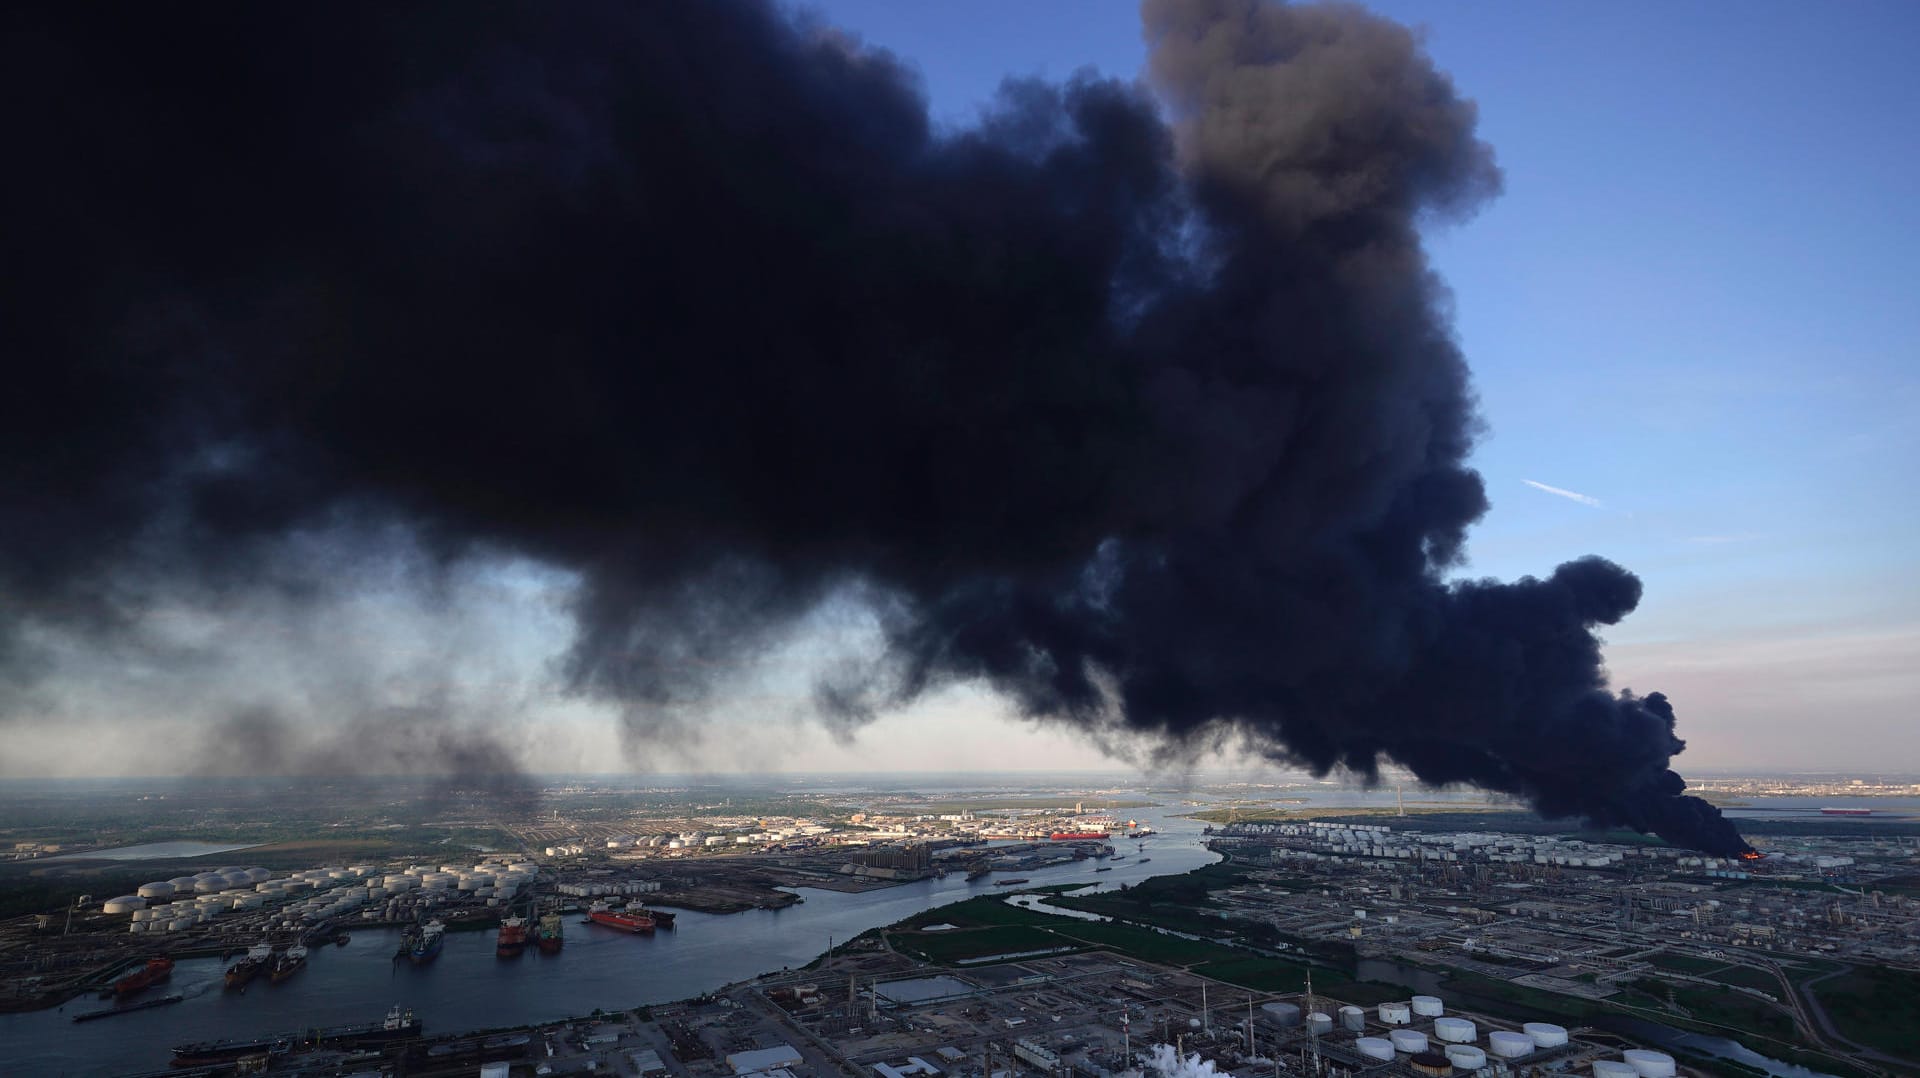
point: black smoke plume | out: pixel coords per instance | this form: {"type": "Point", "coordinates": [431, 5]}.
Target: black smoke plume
{"type": "Point", "coordinates": [1136, 403]}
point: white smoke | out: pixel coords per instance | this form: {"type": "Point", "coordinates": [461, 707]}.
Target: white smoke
{"type": "Point", "coordinates": [1165, 1062]}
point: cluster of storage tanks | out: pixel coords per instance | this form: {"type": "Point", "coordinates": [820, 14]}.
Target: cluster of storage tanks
{"type": "Point", "coordinates": [1372, 840]}
{"type": "Point", "coordinates": [312, 895]}
{"type": "Point", "coordinates": [185, 901]}
{"type": "Point", "coordinates": [1450, 1044]}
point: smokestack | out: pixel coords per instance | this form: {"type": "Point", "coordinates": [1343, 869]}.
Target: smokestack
{"type": "Point", "coordinates": [1137, 404]}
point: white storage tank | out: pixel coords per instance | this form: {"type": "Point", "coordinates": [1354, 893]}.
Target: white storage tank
{"type": "Point", "coordinates": [1428, 1006]}
{"type": "Point", "coordinates": [1353, 1018]}
{"type": "Point", "coordinates": [123, 904]}
{"type": "Point", "coordinates": [1374, 1047]}
{"type": "Point", "coordinates": [1396, 1014]}
{"type": "Point", "coordinates": [1318, 1022]}
{"type": "Point", "coordinates": [1545, 1034]}
{"type": "Point", "coordinates": [180, 924]}
{"type": "Point", "coordinates": [137, 926]}
{"type": "Point", "coordinates": [1466, 1057]}
{"type": "Point", "coordinates": [209, 884]}
{"type": "Point", "coordinates": [1648, 1063]}
{"type": "Point", "coordinates": [159, 889]}
{"type": "Point", "coordinates": [260, 875]}
{"type": "Point", "coordinates": [1508, 1045]}
{"type": "Point", "coordinates": [182, 883]}
{"type": "Point", "coordinates": [1454, 1030]}
{"type": "Point", "coordinates": [1408, 1040]}
{"type": "Point", "coordinates": [1613, 1068]}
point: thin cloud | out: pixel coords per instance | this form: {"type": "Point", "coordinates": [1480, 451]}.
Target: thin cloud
{"type": "Point", "coordinates": [1715, 540]}
{"type": "Point", "coordinates": [1570, 495]}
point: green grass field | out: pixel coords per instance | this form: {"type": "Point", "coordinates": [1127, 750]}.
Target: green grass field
{"type": "Point", "coordinates": [1877, 1007]}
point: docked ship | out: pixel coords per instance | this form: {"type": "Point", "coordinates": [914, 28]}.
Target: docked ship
{"type": "Point", "coordinates": [512, 938]}
{"type": "Point", "coordinates": [550, 935]}
{"type": "Point", "coordinates": [399, 1025]}
{"type": "Point", "coordinates": [426, 943]}
{"type": "Point", "coordinates": [1077, 836]}
{"type": "Point", "coordinates": [1846, 812]}
{"type": "Point", "coordinates": [661, 918]}
{"type": "Point", "coordinates": [1015, 882]}
{"type": "Point", "coordinates": [292, 961]}
{"type": "Point", "coordinates": [627, 920]}
{"type": "Point", "coordinates": [257, 958]}
{"type": "Point", "coordinates": [207, 1053]}
{"type": "Point", "coordinates": [155, 971]}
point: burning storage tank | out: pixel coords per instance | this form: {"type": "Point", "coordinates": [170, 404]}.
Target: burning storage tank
{"type": "Point", "coordinates": [1285, 1015]}
{"type": "Point", "coordinates": [1545, 1034]}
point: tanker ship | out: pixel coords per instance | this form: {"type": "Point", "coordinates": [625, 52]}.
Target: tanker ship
{"type": "Point", "coordinates": [242, 973]}
{"type": "Point", "coordinates": [426, 943]}
{"type": "Point", "coordinates": [551, 935]}
{"type": "Point", "coordinates": [627, 920]}
{"type": "Point", "coordinates": [1077, 836]}
{"type": "Point", "coordinates": [288, 964]}
{"type": "Point", "coordinates": [512, 938]}
{"type": "Point", "coordinates": [155, 971]}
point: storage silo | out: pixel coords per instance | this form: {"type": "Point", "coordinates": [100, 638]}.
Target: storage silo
{"type": "Point", "coordinates": [1454, 1030]}
{"type": "Point", "coordinates": [1648, 1063]}
{"type": "Point", "coordinates": [1509, 1045]}
{"type": "Point", "coordinates": [1374, 1047]}
{"type": "Point", "coordinates": [1408, 1040]}
{"type": "Point", "coordinates": [1545, 1034]}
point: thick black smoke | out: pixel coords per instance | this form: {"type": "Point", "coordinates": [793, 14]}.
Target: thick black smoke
{"type": "Point", "coordinates": [1149, 419]}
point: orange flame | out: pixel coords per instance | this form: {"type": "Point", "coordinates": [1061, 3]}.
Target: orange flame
{"type": "Point", "coordinates": [1752, 855]}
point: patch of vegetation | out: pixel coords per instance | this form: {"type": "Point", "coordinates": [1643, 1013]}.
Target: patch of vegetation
{"type": "Point", "coordinates": [946, 948]}
{"type": "Point", "coordinates": [1876, 1006]}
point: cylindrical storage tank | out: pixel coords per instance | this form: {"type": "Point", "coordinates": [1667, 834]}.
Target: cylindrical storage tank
{"type": "Point", "coordinates": [137, 926]}
{"type": "Point", "coordinates": [1319, 1023]}
{"type": "Point", "coordinates": [1648, 1063]}
{"type": "Point", "coordinates": [260, 875]}
{"type": "Point", "coordinates": [1353, 1018]}
{"type": "Point", "coordinates": [180, 924]}
{"type": "Point", "coordinates": [1374, 1047]}
{"type": "Point", "coordinates": [1466, 1057]}
{"type": "Point", "coordinates": [182, 883]}
{"type": "Point", "coordinates": [123, 904]}
{"type": "Point", "coordinates": [206, 885]}
{"type": "Point", "coordinates": [1286, 1015]}
{"type": "Point", "coordinates": [1428, 1006]}
{"type": "Point", "coordinates": [1508, 1045]}
{"type": "Point", "coordinates": [160, 889]}
{"type": "Point", "coordinates": [1545, 1034]}
{"type": "Point", "coordinates": [1454, 1030]}
{"type": "Point", "coordinates": [1613, 1068]}
{"type": "Point", "coordinates": [1396, 1014]}
{"type": "Point", "coordinates": [1408, 1040]}
{"type": "Point", "coordinates": [1431, 1064]}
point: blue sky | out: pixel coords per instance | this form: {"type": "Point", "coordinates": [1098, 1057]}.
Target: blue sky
{"type": "Point", "coordinates": [1693, 304]}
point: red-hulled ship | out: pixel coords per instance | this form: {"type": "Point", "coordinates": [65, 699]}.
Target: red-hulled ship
{"type": "Point", "coordinates": [512, 939]}
{"type": "Point", "coordinates": [1076, 836]}
{"type": "Point", "coordinates": [629, 920]}
{"type": "Point", "coordinates": [155, 971]}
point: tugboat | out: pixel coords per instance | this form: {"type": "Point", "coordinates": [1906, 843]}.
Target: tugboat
{"type": "Point", "coordinates": [426, 945]}
{"type": "Point", "coordinates": [628, 920]}
{"type": "Point", "coordinates": [155, 971]}
{"type": "Point", "coordinates": [288, 964]}
{"type": "Point", "coordinates": [551, 935]}
{"type": "Point", "coordinates": [512, 938]}
{"type": "Point", "coordinates": [242, 973]}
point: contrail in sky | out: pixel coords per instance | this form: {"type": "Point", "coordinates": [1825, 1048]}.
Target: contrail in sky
{"type": "Point", "coordinates": [1570, 495]}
